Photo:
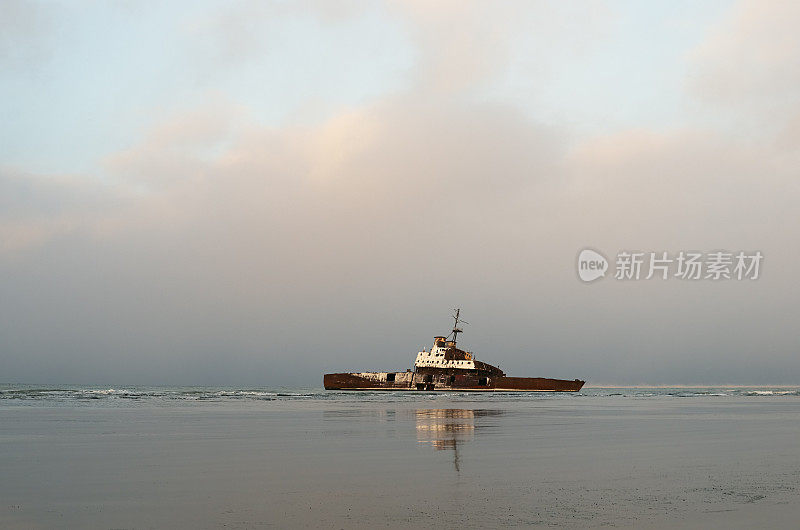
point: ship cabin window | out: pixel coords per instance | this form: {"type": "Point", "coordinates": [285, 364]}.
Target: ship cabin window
{"type": "Point", "coordinates": [390, 378]}
{"type": "Point", "coordinates": [483, 381]}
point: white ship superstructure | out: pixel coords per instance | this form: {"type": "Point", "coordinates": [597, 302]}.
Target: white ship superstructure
{"type": "Point", "coordinates": [444, 354]}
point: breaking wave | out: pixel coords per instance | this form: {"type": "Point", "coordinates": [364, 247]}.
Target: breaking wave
{"type": "Point", "coordinates": [11, 394]}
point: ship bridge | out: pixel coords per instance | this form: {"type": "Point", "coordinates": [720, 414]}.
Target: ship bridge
{"type": "Point", "coordinates": [444, 354]}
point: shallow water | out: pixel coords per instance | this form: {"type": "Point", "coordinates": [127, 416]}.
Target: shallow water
{"type": "Point", "coordinates": [140, 457]}
{"type": "Point", "coordinates": [159, 395]}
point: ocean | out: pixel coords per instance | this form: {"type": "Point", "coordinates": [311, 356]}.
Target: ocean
{"type": "Point", "coordinates": [200, 457]}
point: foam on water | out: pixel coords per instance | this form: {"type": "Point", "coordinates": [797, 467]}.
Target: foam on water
{"type": "Point", "coordinates": [11, 394]}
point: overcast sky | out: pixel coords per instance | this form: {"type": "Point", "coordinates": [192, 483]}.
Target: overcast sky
{"type": "Point", "coordinates": [254, 193]}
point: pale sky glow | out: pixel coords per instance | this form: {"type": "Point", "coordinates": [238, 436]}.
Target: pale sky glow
{"type": "Point", "coordinates": [258, 192]}
{"type": "Point", "coordinates": [89, 77]}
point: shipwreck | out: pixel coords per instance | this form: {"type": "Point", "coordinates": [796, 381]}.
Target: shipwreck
{"type": "Point", "coordinates": [447, 368]}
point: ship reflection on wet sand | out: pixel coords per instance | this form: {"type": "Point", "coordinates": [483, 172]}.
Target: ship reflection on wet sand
{"type": "Point", "coordinates": [445, 429]}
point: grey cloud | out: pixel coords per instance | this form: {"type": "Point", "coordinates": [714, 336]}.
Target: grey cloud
{"type": "Point", "coordinates": [344, 245]}
{"type": "Point", "coordinates": [749, 63]}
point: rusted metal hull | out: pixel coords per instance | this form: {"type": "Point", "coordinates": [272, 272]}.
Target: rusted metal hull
{"type": "Point", "coordinates": [446, 381]}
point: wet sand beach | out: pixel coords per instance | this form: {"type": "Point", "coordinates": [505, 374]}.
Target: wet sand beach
{"type": "Point", "coordinates": [605, 458]}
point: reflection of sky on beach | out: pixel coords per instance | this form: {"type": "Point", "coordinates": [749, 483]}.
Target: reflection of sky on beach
{"type": "Point", "coordinates": [591, 461]}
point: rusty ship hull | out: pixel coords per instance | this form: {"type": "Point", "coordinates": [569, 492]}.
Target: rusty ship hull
{"type": "Point", "coordinates": [446, 382]}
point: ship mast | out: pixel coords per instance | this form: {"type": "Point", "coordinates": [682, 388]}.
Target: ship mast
{"type": "Point", "coordinates": [458, 320]}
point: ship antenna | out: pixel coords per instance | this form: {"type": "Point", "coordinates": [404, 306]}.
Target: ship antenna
{"type": "Point", "coordinates": [458, 321]}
